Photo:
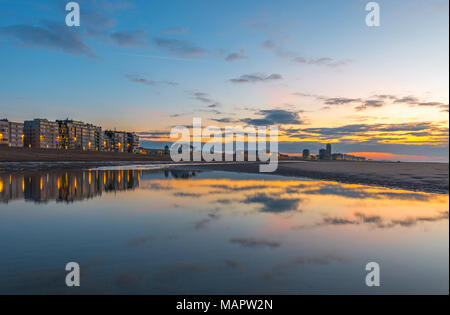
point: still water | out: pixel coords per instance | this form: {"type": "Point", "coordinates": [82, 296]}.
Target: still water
{"type": "Point", "coordinates": [184, 232]}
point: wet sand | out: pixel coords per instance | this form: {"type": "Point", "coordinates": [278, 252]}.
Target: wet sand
{"type": "Point", "coordinates": [426, 177]}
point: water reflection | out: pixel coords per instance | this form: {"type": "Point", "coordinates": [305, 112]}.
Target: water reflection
{"type": "Point", "coordinates": [74, 185]}
{"type": "Point", "coordinates": [168, 232]}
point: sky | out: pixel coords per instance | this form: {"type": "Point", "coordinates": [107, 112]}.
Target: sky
{"type": "Point", "coordinates": [313, 68]}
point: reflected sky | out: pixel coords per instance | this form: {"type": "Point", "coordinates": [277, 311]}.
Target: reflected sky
{"type": "Point", "coordinates": [185, 232]}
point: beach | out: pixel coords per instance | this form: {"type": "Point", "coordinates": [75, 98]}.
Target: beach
{"type": "Point", "coordinates": [418, 176]}
{"type": "Point", "coordinates": [52, 155]}
{"type": "Point", "coordinates": [426, 177]}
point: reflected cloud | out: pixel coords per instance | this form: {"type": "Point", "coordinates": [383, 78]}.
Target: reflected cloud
{"type": "Point", "coordinates": [302, 261]}
{"type": "Point", "coordinates": [364, 192]}
{"type": "Point", "coordinates": [204, 222]}
{"type": "Point", "coordinates": [273, 204]}
{"type": "Point", "coordinates": [183, 194]}
{"type": "Point", "coordinates": [233, 264]}
{"type": "Point", "coordinates": [230, 188]}
{"type": "Point", "coordinates": [254, 243]}
{"type": "Point", "coordinates": [140, 241]}
{"type": "Point", "coordinates": [377, 221]}
{"type": "Point", "coordinates": [178, 271]}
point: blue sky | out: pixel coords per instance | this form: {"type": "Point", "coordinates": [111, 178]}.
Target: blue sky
{"type": "Point", "coordinates": [149, 65]}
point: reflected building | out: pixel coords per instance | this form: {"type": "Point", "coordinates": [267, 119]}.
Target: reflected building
{"type": "Point", "coordinates": [66, 186]}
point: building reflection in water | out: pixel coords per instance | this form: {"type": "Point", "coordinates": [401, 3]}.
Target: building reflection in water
{"type": "Point", "coordinates": [65, 186]}
{"type": "Point", "coordinates": [72, 185]}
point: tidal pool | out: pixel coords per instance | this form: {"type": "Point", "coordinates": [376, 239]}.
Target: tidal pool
{"type": "Point", "coordinates": [184, 232]}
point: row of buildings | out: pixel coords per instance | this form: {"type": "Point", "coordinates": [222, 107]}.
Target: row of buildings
{"type": "Point", "coordinates": [327, 155]}
{"type": "Point", "coordinates": [66, 135]}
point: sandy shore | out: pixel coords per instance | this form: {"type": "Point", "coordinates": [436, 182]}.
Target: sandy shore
{"type": "Point", "coordinates": [426, 177]}
{"type": "Point", "coordinates": [51, 155]}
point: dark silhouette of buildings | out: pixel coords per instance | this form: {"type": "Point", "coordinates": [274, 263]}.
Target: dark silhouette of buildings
{"type": "Point", "coordinates": [327, 155]}
{"type": "Point", "coordinates": [306, 154]}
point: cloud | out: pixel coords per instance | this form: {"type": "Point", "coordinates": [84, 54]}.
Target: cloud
{"type": "Point", "coordinates": [257, 77]}
{"type": "Point", "coordinates": [95, 22]}
{"type": "Point", "coordinates": [273, 117]}
{"type": "Point", "coordinates": [268, 44]}
{"type": "Point", "coordinates": [364, 128]}
{"type": "Point", "coordinates": [205, 98]}
{"type": "Point", "coordinates": [415, 101]}
{"type": "Point", "coordinates": [323, 61]}
{"type": "Point", "coordinates": [341, 100]}
{"type": "Point", "coordinates": [225, 120]}
{"type": "Point", "coordinates": [407, 100]}
{"type": "Point", "coordinates": [141, 79]}
{"type": "Point", "coordinates": [97, 15]}
{"type": "Point", "coordinates": [235, 56]}
{"type": "Point", "coordinates": [154, 134]}
{"type": "Point", "coordinates": [375, 101]}
{"type": "Point", "coordinates": [423, 133]}
{"type": "Point", "coordinates": [320, 61]}
{"type": "Point", "coordinates": [49, 35]}
{"type": "Point", "coordinates": [176, 31]}
{"type": "Point", "coordinates": [253, 243]}
{"type": "Point", "coordinates": [96, 18]}
{"type": "Point", "coordinates": [179, 48]}
{"type": "Point", "coordinates": [129, 38]}
{"type": "Point", "coordinates": [202, 97]}
{"type": "Point", "coordinates": [370, 104]}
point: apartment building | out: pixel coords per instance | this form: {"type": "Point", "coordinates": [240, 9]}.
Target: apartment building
{"type": "Point", "coordinates": [4, 132]}
{"type": "Point", "coordinates": [41, 134]}
{"type": "Point", "coordinates": [66, 135]}
{"type": "Point", "coordinates": [11, 133]}
{"type": "Point", "coordinates": [119, 141]}
{"type": "Point", "coordinates": [132, 142]}
{"type": "Point", "coordinates": [115, 141]}
{"type": "Point", "coordinates": [16, 137]}
{"type": "Point", "coordinates": [77, 135]}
